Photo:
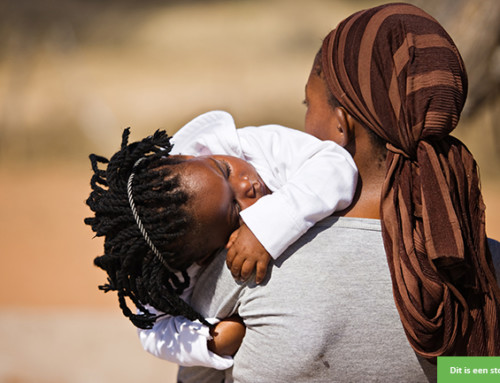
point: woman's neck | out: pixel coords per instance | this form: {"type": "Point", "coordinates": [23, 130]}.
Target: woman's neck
{"type": "Point", "coordinates": [366, 201]}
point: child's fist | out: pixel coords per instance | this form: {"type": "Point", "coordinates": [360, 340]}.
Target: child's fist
{"type": "Point", "coordinates": [246, 254]}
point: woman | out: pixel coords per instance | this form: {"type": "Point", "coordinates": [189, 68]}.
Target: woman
{"type": "Point", "coordinates": [395, 84]}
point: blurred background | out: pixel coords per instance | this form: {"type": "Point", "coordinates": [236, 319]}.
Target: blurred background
{"type": "Point", "coordinates": [75, 73]}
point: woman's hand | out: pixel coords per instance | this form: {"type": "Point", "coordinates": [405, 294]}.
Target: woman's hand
{"type": "Point", "coordinates": [227, 336]}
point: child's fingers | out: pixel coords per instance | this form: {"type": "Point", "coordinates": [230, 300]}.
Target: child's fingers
{"type": "Point", "coordinates": [236, 267]}
{"type": "Point", "coordinates": [231, 254]}
{"type": "Point", "coordinates": [246, 270]}
{"type": "Point", "coordinates": [261, 271]}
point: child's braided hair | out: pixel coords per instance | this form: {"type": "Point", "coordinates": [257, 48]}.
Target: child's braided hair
{"type": "Point", "coordinates": [135, 270]}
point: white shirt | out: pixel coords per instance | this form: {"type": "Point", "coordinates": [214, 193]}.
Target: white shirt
{"type": "Point", "coordinates": [309, 178]}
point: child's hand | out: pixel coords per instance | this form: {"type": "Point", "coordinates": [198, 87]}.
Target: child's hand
{"type": "Point", "coordinates": [227, 336]}
{"type": "Point", "coordinates": [244, 254]}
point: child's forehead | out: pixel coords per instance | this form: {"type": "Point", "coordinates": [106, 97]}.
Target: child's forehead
{"type": "Point", "coordinates": [198, 174]}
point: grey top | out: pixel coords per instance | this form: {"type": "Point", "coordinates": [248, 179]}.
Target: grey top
{"type": "Point", "coordinates": [325, 313]}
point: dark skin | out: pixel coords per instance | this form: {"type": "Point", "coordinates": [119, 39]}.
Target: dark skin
{"type": "Point", "coordinates": [227, 336]}
{"type": "Point", "coordinates": [245, 254]}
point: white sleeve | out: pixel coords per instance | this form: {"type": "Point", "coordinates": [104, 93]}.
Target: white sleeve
{"type": "Point", "coordinates": [183, 342]}
{"type": "Point", "coordinates": [210, 133]}
{"type": "Point", "coordinates": [316, 178]}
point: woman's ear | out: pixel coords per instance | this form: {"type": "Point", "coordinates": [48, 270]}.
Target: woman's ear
{"type": "Point", "coordinates": [344, 130]}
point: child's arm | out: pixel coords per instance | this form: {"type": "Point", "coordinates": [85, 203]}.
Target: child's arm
{"type": "Point", "coordinates": [186, 343]}
{"type": "Point", "coordinates": [227, 336]}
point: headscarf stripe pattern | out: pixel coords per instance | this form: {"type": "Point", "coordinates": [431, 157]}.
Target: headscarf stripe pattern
{"type": "Point", "coordinates": [398, 72]}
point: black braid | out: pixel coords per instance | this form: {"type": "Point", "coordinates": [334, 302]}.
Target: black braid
{"type": "Point", "coordinates": [134, 271]}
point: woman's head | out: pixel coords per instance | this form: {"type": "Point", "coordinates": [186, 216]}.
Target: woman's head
{"type": "Point", "coordinates": [158, 217]}
{"type": "Point", "coordinates": [326, 118]}
{"type": "Point", "coordinates": [396, 72]}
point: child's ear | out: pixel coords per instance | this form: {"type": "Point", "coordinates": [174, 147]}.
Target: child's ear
{"type": "Point", "coordinates": [345, 130]}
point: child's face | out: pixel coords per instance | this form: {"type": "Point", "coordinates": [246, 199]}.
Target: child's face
{"type": "Point", "coordinates": [219, 187]}
{"type": "Point", "coordinates": [321, 120]}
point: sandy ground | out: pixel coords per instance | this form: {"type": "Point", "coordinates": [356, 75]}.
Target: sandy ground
{"type": "Point", "coordinates": [60, 345]}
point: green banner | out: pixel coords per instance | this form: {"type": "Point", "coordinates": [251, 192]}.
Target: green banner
{"type": "Point", "coordinates": [468, 369]}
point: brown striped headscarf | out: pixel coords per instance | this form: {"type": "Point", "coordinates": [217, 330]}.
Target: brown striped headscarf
{"type": "Point", "coordinates": [397, 71]}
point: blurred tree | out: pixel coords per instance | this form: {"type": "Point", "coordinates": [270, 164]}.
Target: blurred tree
{"type": "Point", "coordinates": [475, 27]}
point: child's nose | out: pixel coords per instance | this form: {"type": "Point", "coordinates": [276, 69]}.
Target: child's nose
{"type": "Point", "coordinates": [246, 187]}
{"type": "Point", "coordinates": [245, 192]}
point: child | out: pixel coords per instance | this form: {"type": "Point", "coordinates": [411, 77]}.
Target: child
{"type": "Point", "coordinates": [159, 217]}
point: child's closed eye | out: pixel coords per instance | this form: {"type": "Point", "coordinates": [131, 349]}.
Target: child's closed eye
{"type": "Point", "coordinates": [227, 168]}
